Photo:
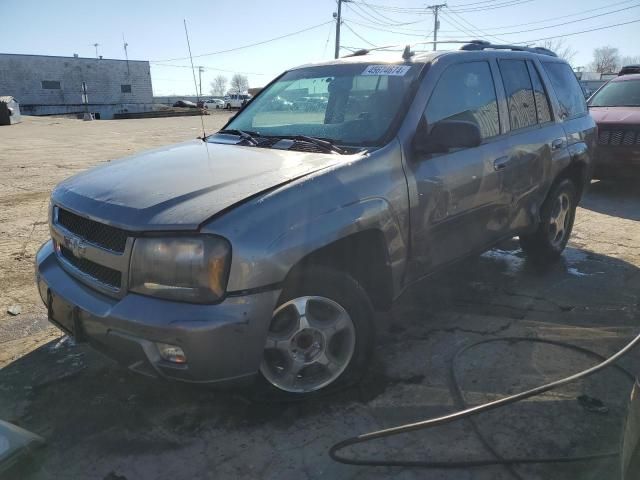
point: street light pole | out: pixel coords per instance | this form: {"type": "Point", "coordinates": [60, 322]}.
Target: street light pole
{"type": "Point", "coordinates": [436, 22]}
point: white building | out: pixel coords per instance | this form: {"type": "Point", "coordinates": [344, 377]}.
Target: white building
{"type": "Point", "coordinates": [47, 85]}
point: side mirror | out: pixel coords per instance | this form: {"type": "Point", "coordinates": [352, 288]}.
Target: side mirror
{"type": "Point", "coordinates": [446, 135]}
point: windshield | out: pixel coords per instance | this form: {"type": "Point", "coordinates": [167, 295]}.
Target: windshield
{"type": "Point", "coordinates": [618, 94]}
{"type": "Point", "coordinates": [348, 104]}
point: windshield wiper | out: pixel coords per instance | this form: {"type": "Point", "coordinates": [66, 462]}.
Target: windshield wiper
{"type": "Point", "coordinates": [248, 136]}
{"type": "Point", "coordinates": [325, 145]}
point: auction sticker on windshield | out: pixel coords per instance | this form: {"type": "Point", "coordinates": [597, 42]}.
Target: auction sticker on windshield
{"type": "Point", "coordinates": [393, 70]}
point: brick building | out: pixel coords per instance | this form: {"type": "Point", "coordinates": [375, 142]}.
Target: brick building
{"type": "Point", "coordinates": [48, 85]}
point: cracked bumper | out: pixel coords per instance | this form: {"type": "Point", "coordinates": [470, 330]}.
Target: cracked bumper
{"type": "Point", "coordinates": [221, 342]}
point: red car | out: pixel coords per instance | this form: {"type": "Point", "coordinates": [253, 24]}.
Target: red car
{"type": "Point", "coordinates": [616, 109]}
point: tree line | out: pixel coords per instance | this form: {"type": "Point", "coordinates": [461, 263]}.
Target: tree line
{"type": "Point", "coordinates": [239, 84]}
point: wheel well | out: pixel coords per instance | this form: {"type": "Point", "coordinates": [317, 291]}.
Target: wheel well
{"type": "Point", "coordinates": [577, 173]}
{"type": "Point", "coordinates": [362, 255]}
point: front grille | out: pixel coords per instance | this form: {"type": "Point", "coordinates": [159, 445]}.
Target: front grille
{"type": "Point", "coordinates": [97, 233]}
{"type": "Point", "coordinates": [619, 137]}
{"type": "Point", "coordinates": [105, 275]}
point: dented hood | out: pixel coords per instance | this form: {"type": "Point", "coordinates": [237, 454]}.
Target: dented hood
{"type": "Point", "coordinates": [178, 187]}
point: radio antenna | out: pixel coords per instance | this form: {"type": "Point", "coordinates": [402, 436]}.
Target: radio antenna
{"type": "Point", "coordinates": [195, 83]}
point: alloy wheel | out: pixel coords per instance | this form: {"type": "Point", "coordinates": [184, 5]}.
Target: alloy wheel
{"type": "Point", "coordinates": [310, 342]}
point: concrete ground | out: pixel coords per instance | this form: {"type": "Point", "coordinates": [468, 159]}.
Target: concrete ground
{"type": "Point", "coordinates": [102, 422]}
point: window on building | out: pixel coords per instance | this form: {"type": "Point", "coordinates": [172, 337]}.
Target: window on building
{"type": "Point", "coordinates": [125, 88]}
{"type": "Point", "coordinates": [517, 84]}
{"type": "Point", "coordinates": [466, 92]}
{"type": "Point", "coordinates": [567, 88]}
{"type": "Point", "coordinates": [540, 95]}
{"type": "Point", "coordinates": [50, 85]}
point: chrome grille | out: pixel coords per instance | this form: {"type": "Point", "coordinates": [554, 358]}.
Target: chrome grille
{"type": "Point", "coordinates": [99, 234]}
{"type": "Point", "coordinates": [105, 275]}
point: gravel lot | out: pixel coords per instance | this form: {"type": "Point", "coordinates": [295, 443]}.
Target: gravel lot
{"type": "Point", "coordinates": [101, 422]}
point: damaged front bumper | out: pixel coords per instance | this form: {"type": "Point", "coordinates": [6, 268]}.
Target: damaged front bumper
{"type": "Point", "coordinates": [221, 342]}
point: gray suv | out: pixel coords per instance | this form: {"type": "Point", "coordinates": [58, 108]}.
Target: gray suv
{"type": "Point", "coordinates": [263, 250]}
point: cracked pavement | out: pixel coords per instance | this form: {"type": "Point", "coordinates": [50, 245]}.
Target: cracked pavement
{"type": "Point", "coordinates": [102, 422]}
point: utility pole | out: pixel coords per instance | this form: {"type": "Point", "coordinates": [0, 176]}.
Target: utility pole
{"type": "Point", "coordinates": [126, 54]}
{"type": "Point", "coordinates": [436, 22]}
{"type": "Point", "coordinates": [200, 70]}
{"type": "Point", "coordinates": [338, 17]}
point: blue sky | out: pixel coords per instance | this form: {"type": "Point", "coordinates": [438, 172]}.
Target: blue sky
{"type": "Point", "coordinates": [154, 30]}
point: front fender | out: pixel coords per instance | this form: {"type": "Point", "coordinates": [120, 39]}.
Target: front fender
{"type": "Point", "coordinates": [254, 269]}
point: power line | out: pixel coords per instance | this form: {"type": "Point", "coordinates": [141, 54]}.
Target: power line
{"type": "Point", "coordinates": [582, 31]}
{"type": "Point", "coordinates": [397, 32]}
{"type": "Point", "coordinates": [552, 19]}
{"type": "Point", "coordinates": [510, 3]}
{"type": "Point", "coordinates": [573, 21]}
{"type": "Point", "coordinates": [358, 35]}
{"type": "Point", "coordinates": [374, 20]}
{"type": "Point", "coordinates": [483, 33]}
{"type": "Point", "coordinates": [158, 64]}
{"type": "Point", "coordinates": [251, 44]}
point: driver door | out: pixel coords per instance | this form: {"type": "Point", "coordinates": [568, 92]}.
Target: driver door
{"type": "Point", "coordinates": [458, 209]}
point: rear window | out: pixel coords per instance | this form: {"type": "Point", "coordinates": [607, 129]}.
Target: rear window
{"type": "Point", "coordinates": [522, 106]}
{"type": "Point", "coordinates": [567, 89]}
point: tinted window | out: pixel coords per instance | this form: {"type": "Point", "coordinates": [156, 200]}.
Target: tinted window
{"type": "Point", "coordinates": [522, 107]}
{"type": "Point", "coordinates": [567, 89]}
{"type": "Point", "coordinates": [540, 96]}
{"type": "Point", "coordinates": [466, 92]}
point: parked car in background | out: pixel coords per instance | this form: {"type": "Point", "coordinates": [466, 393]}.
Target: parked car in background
{"type": "Point", "coordinates": [616, 110]}
{"type": "Point", "coordinates": [629, 69]}
{"type": "Point", "coordinates": [236, 100]}
{"type": "Point", "coordinates": [185, 104]}
{"type": "Point", "coordinates": [214, 103]}
{"type": "Point", "coordinates": [311, 104]}
{"type": "Point", "coordinates": [280, 104]}
{"type": "Point", "coordinates": [263, 250]}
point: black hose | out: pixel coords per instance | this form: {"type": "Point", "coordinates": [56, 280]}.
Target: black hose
{"type": "Point", "coordinates": [472, 411]}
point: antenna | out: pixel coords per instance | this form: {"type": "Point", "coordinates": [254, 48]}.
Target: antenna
{"type": "Point", "coordinates": [195, 83]}
{"type": "Point", "coordinates": [96, 45]}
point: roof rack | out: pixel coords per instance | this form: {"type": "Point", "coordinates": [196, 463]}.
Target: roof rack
{"type": "Point", "coordinates": [484, 45]}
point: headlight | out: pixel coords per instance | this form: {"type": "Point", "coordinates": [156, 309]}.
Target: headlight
{"type": "Point", "coordinates": [190, 269]}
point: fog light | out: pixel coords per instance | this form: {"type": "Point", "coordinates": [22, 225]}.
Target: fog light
{"type": "Point", "coordinates": [171, 353]}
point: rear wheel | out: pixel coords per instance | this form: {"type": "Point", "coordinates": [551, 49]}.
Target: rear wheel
{"type": "Point", "coordinates": [556, 222]}
{"type": "Point", "coordinates": [320, 336]}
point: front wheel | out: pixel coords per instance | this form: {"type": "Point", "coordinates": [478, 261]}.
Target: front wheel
{"type": "Point", "coordinates": [557, 214]}
{"type": "Point", "coordinates": [320, 335]}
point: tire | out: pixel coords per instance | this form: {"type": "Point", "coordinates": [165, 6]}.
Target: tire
{"type": "Point", "coordinates": [327, 350]}
{"type": "Point", "coordinates": [557, 214]}
{"type": "Point", "coordinates": [228, 107]}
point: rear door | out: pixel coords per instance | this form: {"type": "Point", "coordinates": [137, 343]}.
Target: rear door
{"type": "Point", "coordinates": [578, 125]}
{"type": "Point", "coordinates": [458, 192]}
{"type": "Point", "coordinates": [534, 140]}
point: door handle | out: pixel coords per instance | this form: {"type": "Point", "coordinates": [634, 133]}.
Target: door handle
{"type": "Point", "coordinates": [501, 163]}
{"type": "Point", "coordinates": [557, 144]}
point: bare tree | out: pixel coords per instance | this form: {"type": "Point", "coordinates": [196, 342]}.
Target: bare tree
{"type": "Point", "coordinates": [630, 60]}
{"type": "Point", "coordinates": [606, 60]}
{"type": "Point", "coordinates": [561, 48]}
{"type": "Point", "coordinates": [219, 85]}
{"type": "Point", "coordinates": [239, 83]}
